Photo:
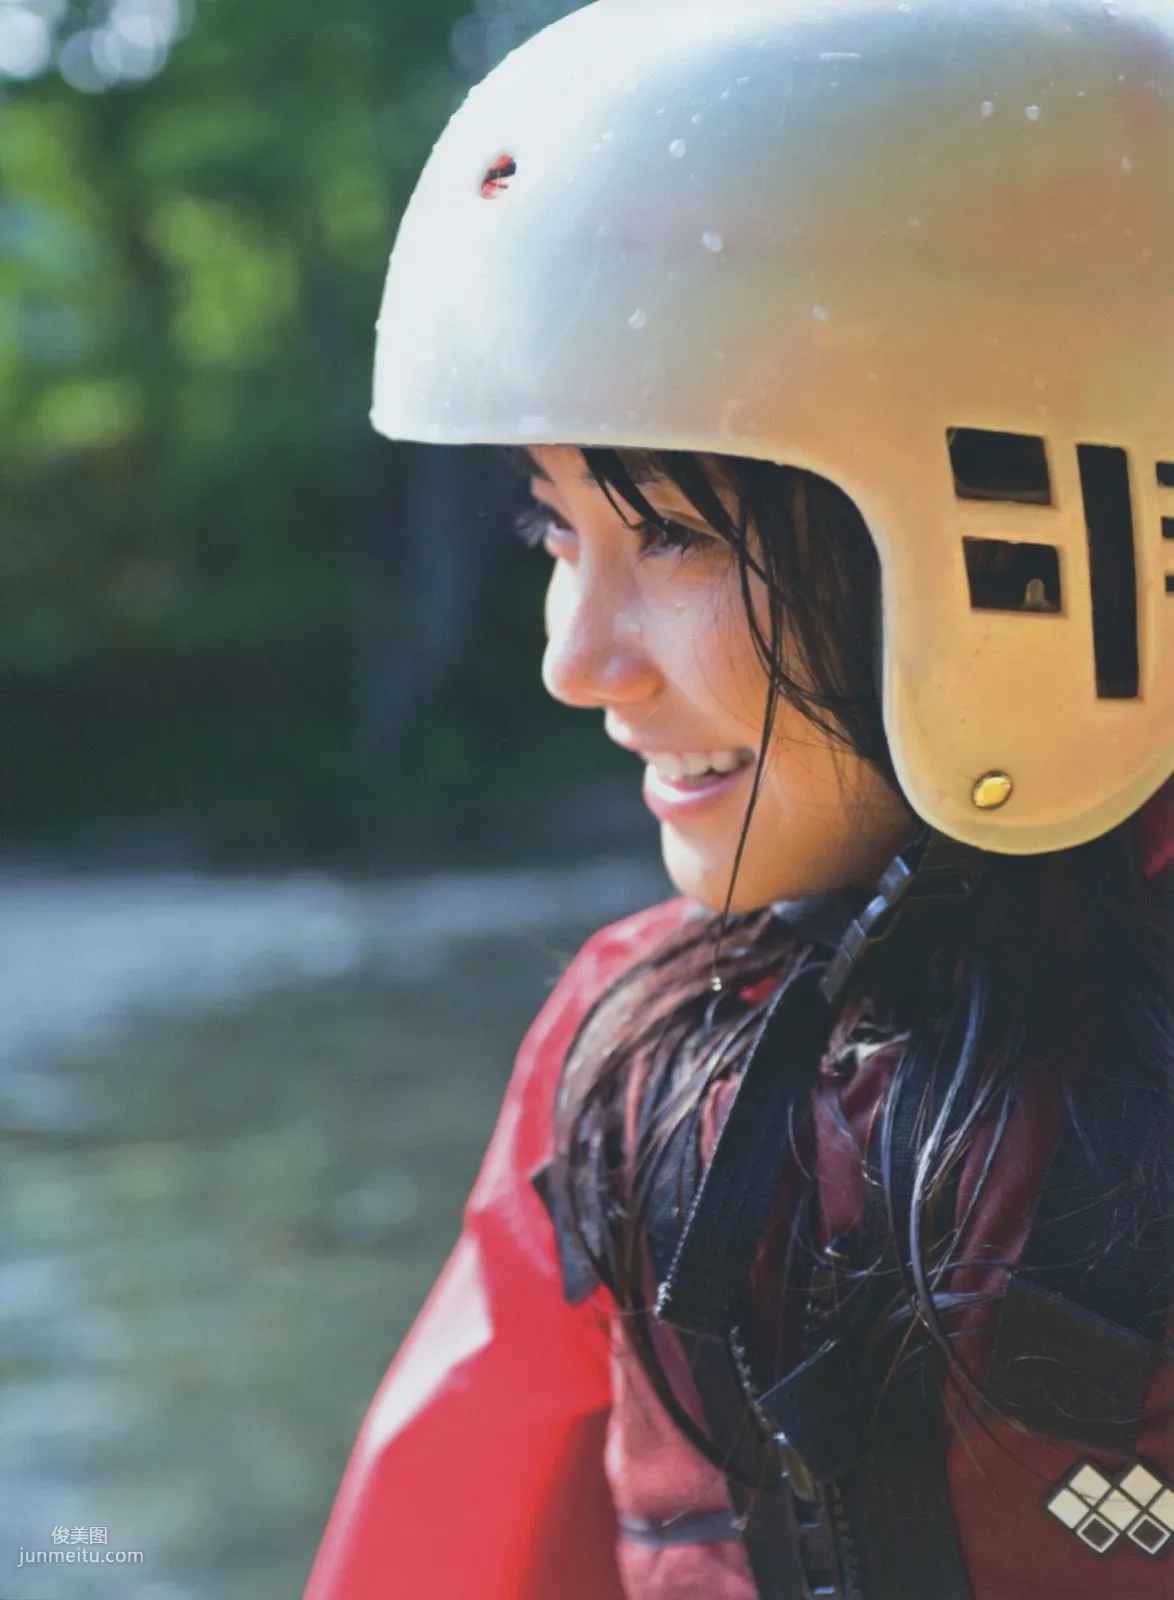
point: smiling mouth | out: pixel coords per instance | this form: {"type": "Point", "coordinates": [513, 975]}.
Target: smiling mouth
{"type": "Point", "coordinates": [673, 792]}
{"type": "Point", "coordinates": [696, 769]}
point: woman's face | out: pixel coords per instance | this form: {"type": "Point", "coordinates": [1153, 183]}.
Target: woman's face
{"type": "Point", "coordinates": [651, 630]}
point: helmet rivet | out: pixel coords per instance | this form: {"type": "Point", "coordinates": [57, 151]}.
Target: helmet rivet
{"type": "Point", "coordinates": [991, 791]}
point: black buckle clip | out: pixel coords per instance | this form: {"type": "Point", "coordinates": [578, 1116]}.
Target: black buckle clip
{"type": "Point", "coordinates": [866, 930]}
{"type": "Point", "coordinates": [935, 873]}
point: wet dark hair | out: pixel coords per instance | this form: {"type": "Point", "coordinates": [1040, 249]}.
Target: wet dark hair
{"type": "Point", "coordinates": [1064, 947]}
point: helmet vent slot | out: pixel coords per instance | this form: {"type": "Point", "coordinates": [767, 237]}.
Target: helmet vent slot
{"type": "Point", "coordinates": [999, 466]}
{"type": "Point", "coordinates": [1012, 577]}
{"type": "Point", "coordinates": [1166, 474]}
{"type": "Point", "coordinates": [1108, 515]}
{"type": "Point", "coordinates": [497, 177]}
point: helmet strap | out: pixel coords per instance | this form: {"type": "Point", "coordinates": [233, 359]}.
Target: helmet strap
{"type": "Point", "coordinates": [923, 893]}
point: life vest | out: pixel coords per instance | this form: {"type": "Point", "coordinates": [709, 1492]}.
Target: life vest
{"type": "Point", "coordinates": [517, 1452]}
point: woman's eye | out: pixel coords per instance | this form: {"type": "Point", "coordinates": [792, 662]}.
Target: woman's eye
{"type": "Point", "coordinates": [537, 523]}
{"type": "Point", "coordinates": [541, 525]}
{"type": "Point", "coordinates": [666, 535]}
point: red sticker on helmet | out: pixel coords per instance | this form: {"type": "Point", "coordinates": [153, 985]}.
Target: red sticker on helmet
{"type": "Point", "coordinates": [497, 180]}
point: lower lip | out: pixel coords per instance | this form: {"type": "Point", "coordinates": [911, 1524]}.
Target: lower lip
{"type": "Point", "coordinates": [668, 800]}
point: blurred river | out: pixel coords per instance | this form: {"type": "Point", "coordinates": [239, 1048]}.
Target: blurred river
{"type": "Point", "coordinates": [239, 1119]}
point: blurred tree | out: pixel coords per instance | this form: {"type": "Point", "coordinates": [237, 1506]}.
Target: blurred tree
{"type": "Point", "coordinates": [190, 273]}
{"type": "Point", "coordinates": [219, 592]}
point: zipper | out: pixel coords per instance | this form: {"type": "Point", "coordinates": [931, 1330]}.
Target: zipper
{"type": "Point", "coordinates": [819, 1319]}
{"type": "Point", "coordinates": [844, 1539]}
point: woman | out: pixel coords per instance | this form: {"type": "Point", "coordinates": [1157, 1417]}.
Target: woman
{"type": "Point", "coordinates": [823, 1244]}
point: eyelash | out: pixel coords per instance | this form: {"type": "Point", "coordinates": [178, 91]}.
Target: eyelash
{"type": "Point", "coordinates": [535, 523]}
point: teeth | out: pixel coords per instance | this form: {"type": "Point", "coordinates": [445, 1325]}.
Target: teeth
{"type": "Point", "coordinates": [726, 760]}
{"type": "Point", "coordinates": [695, 764]}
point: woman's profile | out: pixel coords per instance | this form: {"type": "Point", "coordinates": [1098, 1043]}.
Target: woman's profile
{"type": "Point", "coordinates": [823, 1247]}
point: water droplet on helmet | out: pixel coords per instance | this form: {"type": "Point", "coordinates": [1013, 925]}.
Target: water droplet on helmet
{"type": "Point", "coordinates": [712, 241]}
{"type": "Point", "coordinates": [1033, 113]}
{"type": "Point", "coordinates": [820, 313]}
{"type": "Point", "coordinates": [638, 319]}
{"type": "Point", "coordinates": [725, 94]}
{"type": "Point", "coordinates": [987, 108]}
{"type": "Point", "coordinates": [606, 136]}
{"type": "Point", "coordinates": [677, 149]}
{"type": "Point", "coordinates": [742, 82]}
{"type": "Point", "coordinates": [697, 119]}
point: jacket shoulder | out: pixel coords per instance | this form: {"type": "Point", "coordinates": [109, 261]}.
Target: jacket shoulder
{"type": "Point", "coordinates": [522, 1142]}
{"type": "Point", "coordinates": [620, 945]}
{"type": "Point", "coordinates": [602, 959]}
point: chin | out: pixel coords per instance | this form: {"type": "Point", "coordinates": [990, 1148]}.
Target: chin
{"type": "Point", "coordinates": [704, 877]}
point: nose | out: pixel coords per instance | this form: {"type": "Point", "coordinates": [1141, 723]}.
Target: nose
{"type": "Point", "coordinates": [596, 652]}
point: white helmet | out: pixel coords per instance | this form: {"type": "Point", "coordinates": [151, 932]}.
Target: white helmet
{"type": "Point", "coordinates": [925, 250]}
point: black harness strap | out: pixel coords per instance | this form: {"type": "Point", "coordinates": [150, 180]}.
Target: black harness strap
{"type": "Point", "coordinates": [1083, 1316]}
{"type": "Point", "coordinates": [892, 1475]}
{"type": "Point", "coordinates": [707, 1288]}
{"type": "Point", "coordinates": [895, 1496]}
{"type": "Point", "coordinates": [816, 1408]}
{"type": "Point", "coordinates": [751, 1465]}
{"type": "Point", "coordinates": [896, 1499]}
{"type": "Point", "coordinates": [763, 1507]}
{"type": "Point", "coordinates": [921, 895]}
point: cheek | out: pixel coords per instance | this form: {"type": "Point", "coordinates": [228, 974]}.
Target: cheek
{"type": "Point", "coordinates": [710, 655]}
{"type": "Point", "coordinates": [559, 598]}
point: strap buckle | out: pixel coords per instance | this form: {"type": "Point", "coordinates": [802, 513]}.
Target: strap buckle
{"type": "Point", "coordinates": [808, 1516]}
{"type": "Point", "coordinates": [934, 873]}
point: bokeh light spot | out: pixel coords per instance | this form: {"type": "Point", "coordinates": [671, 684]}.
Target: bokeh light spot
{"type": "Point", "coordinates": [26, 42]}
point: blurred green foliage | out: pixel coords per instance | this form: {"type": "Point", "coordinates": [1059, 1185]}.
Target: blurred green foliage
{"type": "Point", "coordinates": [160, 402]}
{"type": "Point", "coordinates": [195, 526]}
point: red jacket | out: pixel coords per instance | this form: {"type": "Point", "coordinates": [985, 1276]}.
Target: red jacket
{"type": "Point", "coordinates": [511, 1426]}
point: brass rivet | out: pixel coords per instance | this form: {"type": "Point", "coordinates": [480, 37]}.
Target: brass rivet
{"type": "Point", "coordinates": [991, 791]}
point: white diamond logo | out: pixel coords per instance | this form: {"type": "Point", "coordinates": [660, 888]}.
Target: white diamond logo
{"type": "Point", "coordinates": [1135, 1504]}
{"type": "Point", "coordinates": [1141, 1485]}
